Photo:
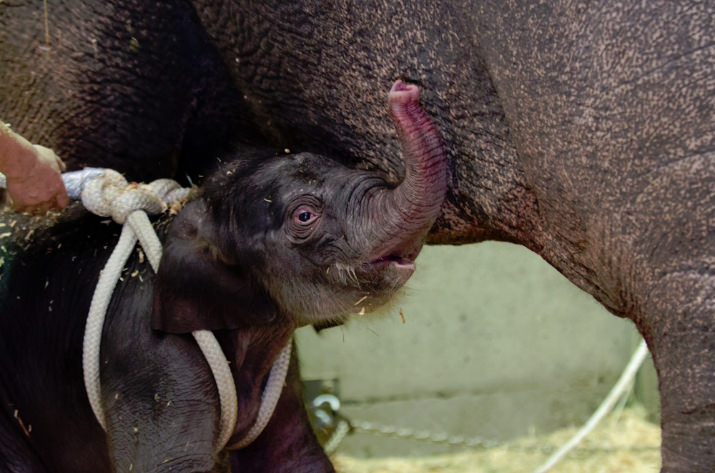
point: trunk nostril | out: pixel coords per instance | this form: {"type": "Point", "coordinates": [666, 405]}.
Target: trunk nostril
{"type": "Point", "coordinates": [409, 210]}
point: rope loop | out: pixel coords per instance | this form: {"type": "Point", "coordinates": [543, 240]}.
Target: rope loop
{"type": "Point", "coordinates": [110, 195]}
{"type": "Point", "coordinates": [169, 191]}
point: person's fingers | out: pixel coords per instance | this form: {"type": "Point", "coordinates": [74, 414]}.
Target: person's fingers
{"type": "Point", "coordinates": [62, 200]}
{"type": "Point", "coordinates": [49, 157]}
{"type": "Point", "coordinates": [40, 208]}
{"type": "Point", "coordinates": [34, 208]}
{"type": "Point", "coordinates": [41, 191]}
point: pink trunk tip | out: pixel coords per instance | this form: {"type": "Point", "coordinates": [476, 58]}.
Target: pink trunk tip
{"type": "Point", "coordinates": [402, 94]}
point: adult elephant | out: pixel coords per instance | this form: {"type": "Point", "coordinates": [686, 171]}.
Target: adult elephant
{"type": "Point", "coordinates": [581, 130]}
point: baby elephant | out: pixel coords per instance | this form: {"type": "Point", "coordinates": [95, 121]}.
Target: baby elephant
{"type": "Point", "coordinates": [270, 244]}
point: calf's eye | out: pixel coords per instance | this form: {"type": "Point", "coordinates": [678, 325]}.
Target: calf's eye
{"type": "Point", "coordinates": [304, 215]}
{"type": "Point", "coordinates": [303, 218]}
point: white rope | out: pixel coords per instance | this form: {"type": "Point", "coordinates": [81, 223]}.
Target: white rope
{"type": "Point", "coordinates": [111, 195]}
{"type": "Point", "coordinates": [269, 399]}
{"type": "Point", "coordinates": [623, 382]}
{"type": "Point", "coordinates": [224, 382]}
{"type": "Point", "coordinates": [95, 321]}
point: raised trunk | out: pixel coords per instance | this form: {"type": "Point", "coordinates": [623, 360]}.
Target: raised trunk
{"type": "Point", "coordinates": [407, 212]}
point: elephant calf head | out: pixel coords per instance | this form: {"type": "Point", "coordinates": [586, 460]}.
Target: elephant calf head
{"type": "Point", "coordinates": [301, 235]}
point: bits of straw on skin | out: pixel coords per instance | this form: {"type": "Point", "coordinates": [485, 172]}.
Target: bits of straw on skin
{"type": "Point", "coordinates": [25, 430]}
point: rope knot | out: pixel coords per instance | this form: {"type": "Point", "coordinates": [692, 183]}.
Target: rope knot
{"type": "Point", "coordinates": [110, 195]}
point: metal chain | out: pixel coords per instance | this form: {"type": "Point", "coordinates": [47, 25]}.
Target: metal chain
{"type": "Point", "coordinates": [620, 390]}
{"type": "Point", "coordinates": [423, 435]}
{"type": "Point", "coordinates": [350, 426]}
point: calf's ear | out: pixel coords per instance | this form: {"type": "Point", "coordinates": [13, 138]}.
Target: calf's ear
{"type": "Point", "coordinates": [196, 289]}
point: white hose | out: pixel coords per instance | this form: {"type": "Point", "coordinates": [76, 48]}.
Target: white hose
{"type": "Point", "coordinates": [621, 385]}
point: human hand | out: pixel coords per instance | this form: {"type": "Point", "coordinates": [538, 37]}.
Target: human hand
{"type": "Point", "coordinates": [40, 188]}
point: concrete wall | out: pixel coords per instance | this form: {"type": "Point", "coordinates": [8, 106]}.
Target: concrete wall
{"type": "Point", "coordinates": [495, 344]}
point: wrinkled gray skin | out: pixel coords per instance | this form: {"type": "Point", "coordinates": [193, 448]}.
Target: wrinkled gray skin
{"type": "Point", "coordinates": [301, 236]}
{"type": "Point", "coordinates": [271, 242]}
{"type": "Point", "coordinates": [583, 131]}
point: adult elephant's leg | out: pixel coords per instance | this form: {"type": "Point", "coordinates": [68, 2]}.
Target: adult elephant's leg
{"type": "Point", "coordinates": [681, 337]}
